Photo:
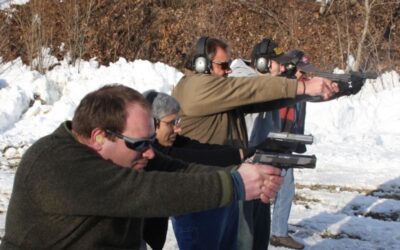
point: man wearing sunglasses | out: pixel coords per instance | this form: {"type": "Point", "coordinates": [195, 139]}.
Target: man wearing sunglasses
{"type": "Point", "coordinates": [213, 105]}
{"type": "Point", "coordinates": [211, 229]}
{"type": "Point", "coordinates": [88, 186]}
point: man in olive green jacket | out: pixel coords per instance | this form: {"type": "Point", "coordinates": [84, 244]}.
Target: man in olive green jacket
{"type": "Point", "coordinates": [83, 186]}
{"type": "Point", "coordinates": [213, 105]}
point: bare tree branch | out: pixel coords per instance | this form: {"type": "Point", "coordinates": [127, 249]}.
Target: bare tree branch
{"type": "Point", "coordinates": [256, 8]}
{"type": "Point", "coordinates": [368, 6]}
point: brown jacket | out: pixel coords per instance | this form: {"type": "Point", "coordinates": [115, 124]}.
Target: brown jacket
{"type": "Point", "coordinates": [213, 107]}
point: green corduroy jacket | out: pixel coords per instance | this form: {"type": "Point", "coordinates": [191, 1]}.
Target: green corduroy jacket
{"type": "Point", "coordinates": [65, 196]}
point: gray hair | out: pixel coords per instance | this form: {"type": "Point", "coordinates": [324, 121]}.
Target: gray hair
{"type": "Point", "coordinates": [162, 104]}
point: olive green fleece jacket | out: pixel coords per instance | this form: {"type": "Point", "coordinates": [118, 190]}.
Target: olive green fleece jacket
{"type": "Point", "coordinates": [65, 196]}
{"type": "Point", "coordinates": [213, 107]}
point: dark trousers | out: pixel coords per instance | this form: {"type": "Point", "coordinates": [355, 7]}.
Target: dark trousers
{"type": "Point", "coordinates": [254, 225]}
{"type": "Point", "coordinates": [214, 229]}
{"type": "Point", "coordinates": [155, 232]}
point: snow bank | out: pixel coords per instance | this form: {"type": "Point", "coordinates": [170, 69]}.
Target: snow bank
{"type": "Point", "coordinates": [32, 104]}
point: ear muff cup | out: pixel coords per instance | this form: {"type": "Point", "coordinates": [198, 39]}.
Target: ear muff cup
{"type": "Point", "coordinates": [201, 63]}
{"type": "Point", "coordinates": [262, 63]}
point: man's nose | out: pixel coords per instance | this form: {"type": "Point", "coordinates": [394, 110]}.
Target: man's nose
{"type": "Point", "coordinates": [177, 129]}
{"type": "Point", "coordinates": [149, 153]}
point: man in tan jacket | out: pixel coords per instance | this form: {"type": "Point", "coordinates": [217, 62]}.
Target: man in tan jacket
{"type": "Point", "coordinates": [213, 105]}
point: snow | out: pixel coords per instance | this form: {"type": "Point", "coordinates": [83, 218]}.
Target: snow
{"type": "Point", "coordinates": [59, 91]}
{"type": "Point", "coordinates": [5, 4]}
{"type": "Point", "coordinates": [350, 201]}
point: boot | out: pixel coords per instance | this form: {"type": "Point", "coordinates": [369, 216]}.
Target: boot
{"type": "Point", "coordinates": [287, 241]}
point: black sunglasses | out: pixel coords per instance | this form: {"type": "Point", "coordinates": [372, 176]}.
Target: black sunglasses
{"type": "Point", "coordinates": [224, 65]}
{"type": "Point", "coordinates": [139, 145]}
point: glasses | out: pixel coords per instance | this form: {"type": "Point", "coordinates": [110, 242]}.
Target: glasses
{"type": "Point", "coordinates": [174, 123]}
{"type": "Point", "coordinates": [224, 65]}
{"type": "Point", "coordinates": [140, 144]}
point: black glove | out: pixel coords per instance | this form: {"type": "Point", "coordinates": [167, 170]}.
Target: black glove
{"type": "Point", "coordinates": [248, 152]}
{"type": "Point", "coordinates": [356, 84]}
{"type": "Point", "coordinates": [352, 87]}
{"type": "Point", "coordinates": [290, 71]}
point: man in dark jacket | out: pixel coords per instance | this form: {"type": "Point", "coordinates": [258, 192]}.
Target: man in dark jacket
{"type": "Point", "coordinates": [170, 142]}
{"type": "Point", "coordinates": [211, 229]}
{"type": "Point", "coordinates": [83, 186]}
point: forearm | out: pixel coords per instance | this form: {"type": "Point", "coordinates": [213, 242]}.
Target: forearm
{"type": "Point", "coordinates": [217, 157]}
{"type": "Point", "coordinates": [201, 168]}
{"type": "Point", "coordinates": [223, 94]}
{"type": "Point", "coordinates": [274, 105]}
{"type": "Point", "coordinates": [117, 192]}
{"type": "Point", "coordinates": [191, 161]}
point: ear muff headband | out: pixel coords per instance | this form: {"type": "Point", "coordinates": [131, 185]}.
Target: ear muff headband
{"type": "Point", "coordinates": [201, 48]}
{"type": "Point", "coordinates": [201, 63]}
{"type": "Point", "coordinates": [262, 63]}
{"type": "Point", "coordinates": [264, 46]}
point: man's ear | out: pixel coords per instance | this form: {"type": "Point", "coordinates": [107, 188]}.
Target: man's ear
{"type": "Point", "coordinates": [97, 139]}
{"type": "Point", "coordinates": [157, 123]}
{"type": "Point", "coordinates": [100, 139]}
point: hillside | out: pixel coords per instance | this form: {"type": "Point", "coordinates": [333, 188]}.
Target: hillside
{"type": "Point", "coordinates": [165, 30]}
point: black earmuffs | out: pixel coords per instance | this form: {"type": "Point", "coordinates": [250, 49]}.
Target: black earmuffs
{"type": "Point", "coordinates": [261, 62]}
{"type": "Point", "coordinates": [201, 63]}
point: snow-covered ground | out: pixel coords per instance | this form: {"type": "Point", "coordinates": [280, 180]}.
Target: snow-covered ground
{"type": "Point", "coordinates": [350, 201]}
{"type": "Point", "coordinates": [5, 4]}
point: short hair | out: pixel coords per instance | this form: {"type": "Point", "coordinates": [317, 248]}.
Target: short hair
{"type": "Point", "coordinates": [162, 104]}
{"type": "Point", "coordinates": [212, 45]}
{"type": "Point", "coordinates": [106, 108]}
